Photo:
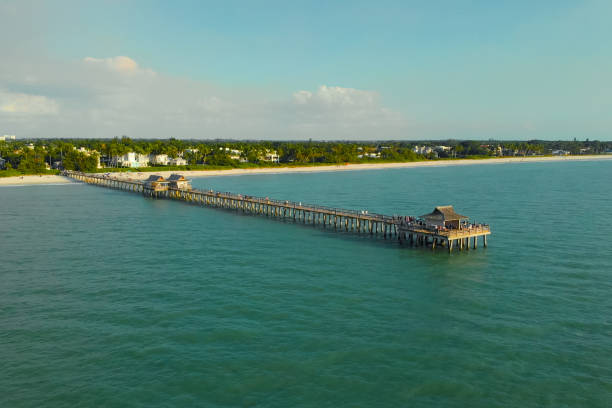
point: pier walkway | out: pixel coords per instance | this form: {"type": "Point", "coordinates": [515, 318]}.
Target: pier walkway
{"type": "Point", "coordinates": [406, 229]}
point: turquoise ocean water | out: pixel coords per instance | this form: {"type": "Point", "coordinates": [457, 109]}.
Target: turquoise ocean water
{"type": "Point", "coordinates": [108, 299]}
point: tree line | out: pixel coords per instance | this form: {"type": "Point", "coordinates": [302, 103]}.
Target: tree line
{"type": "Point", "coordinates": [37, 155]}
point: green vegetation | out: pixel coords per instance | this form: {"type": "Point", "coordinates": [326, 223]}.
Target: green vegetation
{"type": "Point", "coordinates": [46, 156]}
{"type": "Point", "coordinates": [75, 160]}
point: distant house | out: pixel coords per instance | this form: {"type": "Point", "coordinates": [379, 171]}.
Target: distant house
{"type": "Point", "coordinates": [156, 183]}
{"type": "Point", "coordinates": [271, 156]}
{"type": "Point", "coordinates": [131, 159]}
{"type": "Point", "coordinates": [159, 159]}
{"type": "Point", "coordinates": [560, 153]}
{"type": "Point", "coordinates": [234, 154]}
{"type": "Point", "coordinates": [424, 150]}
{"type": "Point", "coordinates": [180, 182]}
{"type": "Point", "coordinates": [369, 155]}
{"type": "Point", "coordinates": [444, 216]}
{"type": "Point", "coordinates": [164, 160]}
{"type": "Point", "coordinates": [177, 161]}
{"type": "Point", "coordinates": [5, 138]}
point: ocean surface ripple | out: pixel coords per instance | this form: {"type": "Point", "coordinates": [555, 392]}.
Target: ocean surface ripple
{"type": "Point", "coordinates": [109, 299]}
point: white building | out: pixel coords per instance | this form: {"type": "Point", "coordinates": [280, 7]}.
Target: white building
{"type": "Point", "coordinates": [6, 138]}
{"type": "Point", "coordinates": [177, 161]}
{"type": "Point", "coordinates": [369, 156]}
{"type": "Point", "coordinates": [424, 150]}
{"type": "Point", "coordinates": [233, 153]}
{"type": "Point", "coordinates": [131, 159]}
{"type": "Point", "coordinates": [159, 159]}
{"type": "Point", "coordinates": [271, 156]}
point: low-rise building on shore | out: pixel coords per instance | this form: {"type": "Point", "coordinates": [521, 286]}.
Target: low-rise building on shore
{"type": "Point", "coordinates": [159, 159]}
{"type": "Point", "coordinates": [131, 159]}
{"type": "Point", "coordinates": [270, 156]}
{"type": "Point", "coordinates": [177, 161]}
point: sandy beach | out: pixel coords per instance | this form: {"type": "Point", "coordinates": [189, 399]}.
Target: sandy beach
{"type": "Point", "coordinates": [33, 180]}
{"type": "Point", "coordinates": [50, 179]}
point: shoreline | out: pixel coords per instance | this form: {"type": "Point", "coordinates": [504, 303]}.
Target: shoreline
{"type": "Point", "coordinates": [56, 179]}
{"type": "Point", "coordinates": [33, 180]}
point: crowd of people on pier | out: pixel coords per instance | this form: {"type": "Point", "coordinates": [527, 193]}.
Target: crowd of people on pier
{"type": "Point", "coordinates": [414, 222]}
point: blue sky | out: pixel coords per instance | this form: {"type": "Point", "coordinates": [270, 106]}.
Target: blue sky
{"type": "Point", "coordinates": [326, 70]}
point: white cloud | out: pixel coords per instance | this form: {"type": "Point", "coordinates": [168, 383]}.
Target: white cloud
{"type": "Point", "coordinates": [106, 97]}
{"type": "Point", "coordinates": [302, 97]}
{"type": "Point", "coordinates": [121, 64]}
{"type": "Point", "coordinates": [21, 103]}
{"type": "Point", "coordinates": [335, 96]}
{"type": "Point", "coordinates": [337, 112]}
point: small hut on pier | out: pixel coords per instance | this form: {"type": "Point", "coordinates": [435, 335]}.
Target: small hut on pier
{"type": "Point", "coordinates": [156, 183]}
{"type": "Point", "coordinates": [178, 181]}
{"type": "Point", "coordinates": [444, 216]}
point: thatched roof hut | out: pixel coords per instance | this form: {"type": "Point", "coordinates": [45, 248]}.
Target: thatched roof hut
{"type": "Point", "coordinates": [155, 177]}
{"type": "Point", "coordinates": [444, 216]}
{"type": "Point", "coordinates": [156, 183]}
{"type": "Point", "coordinates": [179, 181]}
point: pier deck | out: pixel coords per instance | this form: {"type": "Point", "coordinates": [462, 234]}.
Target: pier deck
{"type": "Point", "coordinates": [405, 229]}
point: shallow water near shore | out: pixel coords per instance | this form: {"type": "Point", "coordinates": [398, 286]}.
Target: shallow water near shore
{"type": "Point", "coordinates": [111, 299]}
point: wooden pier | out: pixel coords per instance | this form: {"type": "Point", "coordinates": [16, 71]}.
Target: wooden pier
{"type": "Point", "coordinates": [409, 230]}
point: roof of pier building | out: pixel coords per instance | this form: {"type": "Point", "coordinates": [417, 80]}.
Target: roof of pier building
{"type": "Point", "coordinates": [155, 177]}
{"type": "Point", "coordinates": [179, 181]}
{"type": "Point", "coordinates": [444, 213]}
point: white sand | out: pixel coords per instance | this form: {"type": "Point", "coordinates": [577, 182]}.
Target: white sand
{"type": "Point", "coordinates": [29, 180]}
{"type": "Point", "coordinates": [48, 179]}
